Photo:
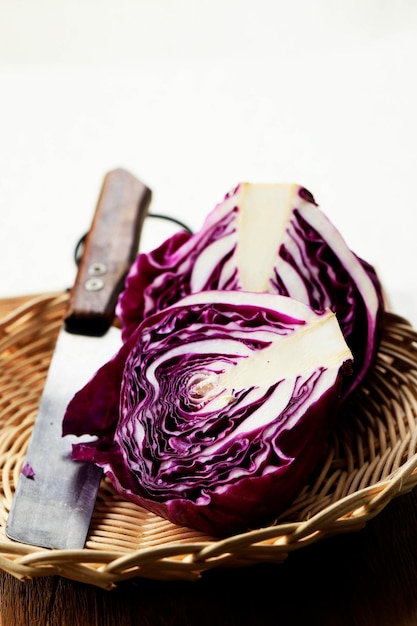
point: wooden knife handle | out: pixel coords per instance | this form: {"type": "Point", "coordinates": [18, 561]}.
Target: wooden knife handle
{"type": "Point", "coordinates": [110, 248]}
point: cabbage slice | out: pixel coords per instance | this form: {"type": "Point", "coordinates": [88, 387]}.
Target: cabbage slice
{"type": "Point", "coordinates": [215, 411]}
{"type": "Point", "coordinates": [264, 238]}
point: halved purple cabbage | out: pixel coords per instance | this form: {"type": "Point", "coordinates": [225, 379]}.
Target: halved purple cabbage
{"type": "Point", "coordinates": [214, 412]}
{"type": "Point", "coordinates": [264, 238]}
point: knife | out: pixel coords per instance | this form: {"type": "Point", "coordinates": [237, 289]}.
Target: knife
{"type": "Point", "coordinates": [55, 496]}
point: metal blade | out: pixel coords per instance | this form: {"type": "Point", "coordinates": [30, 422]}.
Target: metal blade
{"type": "Point", "coordinates": [68, 493]}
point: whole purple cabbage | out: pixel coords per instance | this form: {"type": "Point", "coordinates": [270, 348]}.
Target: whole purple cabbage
{"type": "Point", "coordinates": [264, 238]}
{"type": "Point", "coordinates": [215, 410]}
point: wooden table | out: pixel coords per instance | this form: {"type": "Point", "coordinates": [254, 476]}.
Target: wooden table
{"type": "Point", "coordinates": [366, 578]}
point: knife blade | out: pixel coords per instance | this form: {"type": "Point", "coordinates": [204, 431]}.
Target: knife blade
{"type": "Point", "coordinates": [55, 496]}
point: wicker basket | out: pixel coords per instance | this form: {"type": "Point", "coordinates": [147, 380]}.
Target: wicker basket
{"type": "Point", "coordinates": [372, 458]}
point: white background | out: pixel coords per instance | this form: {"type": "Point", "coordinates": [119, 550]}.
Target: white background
{"type": "Point", "coordinates": [193, 97]}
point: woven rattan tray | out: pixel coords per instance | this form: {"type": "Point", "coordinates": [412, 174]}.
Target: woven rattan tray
{"type": "Point", "coordinates": [372, 458]}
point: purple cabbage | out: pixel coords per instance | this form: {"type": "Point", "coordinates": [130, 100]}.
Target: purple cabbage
{"type": "Point", "coordinates": [264, 238]}
{"type": "Point", "coordinates": [214, 412]}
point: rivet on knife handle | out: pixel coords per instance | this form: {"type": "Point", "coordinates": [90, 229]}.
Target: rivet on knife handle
{"type": "Point", "coordinates": [110, 248]}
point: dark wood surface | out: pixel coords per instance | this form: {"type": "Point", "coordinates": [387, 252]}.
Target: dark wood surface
{"type": "Point", "coordinates": [365, 578]}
